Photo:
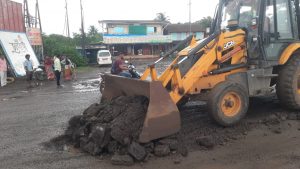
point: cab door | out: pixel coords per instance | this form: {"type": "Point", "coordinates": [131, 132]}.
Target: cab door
{"type": "Point", "coordinates": [279, 27]}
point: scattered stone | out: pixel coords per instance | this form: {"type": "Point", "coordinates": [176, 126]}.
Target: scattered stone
{"type": "Point", "coordinates": [89, 148]}
{"type": "Point", "coordinates": [283, 117]}
{"type": "Point", "coordinates": [292, 116]}
{"type": "Point", "coordinates": [162, 150]}
{"type": "Point", "coordinates": [75, 121]}
{"type": "Point", "coordinates": [205, 141]}
{"type": "Point", "coordinates": [182, 149]}
{"type": "Point", "coordinates": [245, 133]}
{"type": "Point", "coordinates": [137, 151]}
{"type": "Point", "coordinates": [277, 131]}
{"type": "Point", "coordinates": [149, 147]}
{"type": "Point", "coordinates": [272, 119]}
{"type": "Point", "coordinates": [92, 110]}
{"type": "Point", "coordinates": [173, 143]}
{"type": "Point", "coordinates": [177, 160]}
{"type": "Point", "coordinates": [234, 138]}
{"type": "Point", "coordinates": [112, 147]}
{"type": "Point", "coordinates": [122, 160]}
{"type": "Point", "coordinates": [100, 135]}
{"type": "Point", "coordinates": [148, 156]}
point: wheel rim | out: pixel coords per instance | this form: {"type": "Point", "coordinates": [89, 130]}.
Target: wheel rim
{"type": "Point", "coordinates": [231, 104]}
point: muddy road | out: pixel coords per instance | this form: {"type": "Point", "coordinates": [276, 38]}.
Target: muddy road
{"type": "Point", "coordinates": [269, 137]}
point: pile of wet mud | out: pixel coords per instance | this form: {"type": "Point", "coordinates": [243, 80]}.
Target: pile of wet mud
{"type": "Point", "coordinates": [113, 128]}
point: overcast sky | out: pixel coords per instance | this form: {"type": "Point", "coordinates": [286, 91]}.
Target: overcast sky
{"type": "Point", "coordinates": [53, 11]}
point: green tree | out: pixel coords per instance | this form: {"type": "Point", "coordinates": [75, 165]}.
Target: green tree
{"type": "Point", "coordinates": [205, 22]}
{"type": "Point", "coordinates": [61, 45]}
{"type": "Point", "coordinates": [162, 17]}
{"type": "Point", "coordinates": [93, 35]}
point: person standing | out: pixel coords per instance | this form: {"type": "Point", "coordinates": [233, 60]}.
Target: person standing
{"type": "Point", "coordinates": [3, 71]}
{"type": "Point", "coordinates": [48, 66]}
{"type": "Point", "coordinates": [57, 70]}
{"type": "Point", "coordinates": [28, 66]}
{"type": "Point", "coordinates": [67, 68]}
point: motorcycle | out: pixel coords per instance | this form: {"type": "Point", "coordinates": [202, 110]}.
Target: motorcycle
{"type": "Point", "coordinates": [39, 73]}
{"type": "Point", "coordinates": [131, 69]}
{"type": "Point", "coordinates": [134, 73]}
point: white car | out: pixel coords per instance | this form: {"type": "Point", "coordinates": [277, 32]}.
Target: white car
{"type": "Point", "coordinates": [104, 57]}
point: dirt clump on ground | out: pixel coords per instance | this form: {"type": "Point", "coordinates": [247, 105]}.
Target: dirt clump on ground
{"type": "Point", "coordinates": [113, 128]}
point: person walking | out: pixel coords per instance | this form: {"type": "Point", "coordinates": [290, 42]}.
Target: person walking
{"type": "Point", "coordinates": [3, 71]}
{"type": "Point", "coordinates": [28, 66]}
{"type": "Point", "coordinates": [57, 70]}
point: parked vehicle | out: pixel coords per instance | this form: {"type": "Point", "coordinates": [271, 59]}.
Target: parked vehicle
{"type": "Point", "coordinates": [104, 57]}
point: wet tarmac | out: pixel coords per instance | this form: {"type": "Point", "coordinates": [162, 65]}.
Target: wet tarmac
{"type": "Point", "coordinates": [30, 117]}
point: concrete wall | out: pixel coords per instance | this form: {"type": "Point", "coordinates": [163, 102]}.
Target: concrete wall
{"type": "Point", "coordinates": [111, 29]}
{"type": "Point", "coordinates": [182, 35]}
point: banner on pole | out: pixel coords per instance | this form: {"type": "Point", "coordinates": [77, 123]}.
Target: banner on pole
{"type": "Point", "coordinates": [34, 36]}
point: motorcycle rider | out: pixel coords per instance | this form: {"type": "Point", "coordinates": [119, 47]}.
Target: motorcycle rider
{"type": "Point", "coordinates": [119, 67]}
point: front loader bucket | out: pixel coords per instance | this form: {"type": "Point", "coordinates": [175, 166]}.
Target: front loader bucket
{"type": "Point", "coordinates": [162, 118]}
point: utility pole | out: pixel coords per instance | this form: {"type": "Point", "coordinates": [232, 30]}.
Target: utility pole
{"type": "Point", "coordinates": [27, 15]}
{"type": "Point", "coordinates": [38, 17]}
{"type": "Point", "coordinates": [34, 22]}
{"type": "Point", "coordinates": [82, 30]}
{"type": "Point", "coordinates": [67, 25]}
{"type": "Point", "coordinates": [190, 16]}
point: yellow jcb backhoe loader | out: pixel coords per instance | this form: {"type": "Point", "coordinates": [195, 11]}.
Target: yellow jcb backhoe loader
{"type": "Point", "coordinates": [253, 45]}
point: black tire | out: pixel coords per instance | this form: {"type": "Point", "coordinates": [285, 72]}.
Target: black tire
{"type": "Point", "coordinates": [220, 101]}
{"type": "Point", "coordinates": [287, 83]}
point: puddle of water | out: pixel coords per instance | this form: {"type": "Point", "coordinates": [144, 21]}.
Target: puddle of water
{"type": "Point", "coordinates": [12, 98]}
{"type": "Point", "coordinates": [87, 85]}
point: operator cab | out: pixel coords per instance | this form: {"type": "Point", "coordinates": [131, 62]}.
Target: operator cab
{"type": "Point", "coordinates": [270, 25]}
{"type": "Point", "coordinates": [239, 13]}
